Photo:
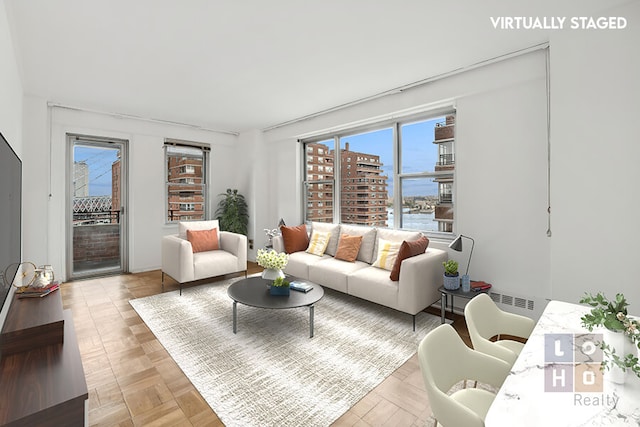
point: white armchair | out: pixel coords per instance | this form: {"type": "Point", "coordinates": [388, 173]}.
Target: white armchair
{"type": "Point", "coordinates": [183, 265]}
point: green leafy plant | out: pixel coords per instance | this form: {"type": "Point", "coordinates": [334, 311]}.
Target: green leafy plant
{"type": "Point", "coordinates": [233, 212]}
{"type": "Point", "coordinates": [278, 282]}
{"type": "Point", "coordinates": [450, 268]}
{"type": "Point", "coordinates": [613, 316]}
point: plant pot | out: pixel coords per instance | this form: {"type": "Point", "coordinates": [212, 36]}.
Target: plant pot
{"type": "Point", "coordinates": [623, 346]}
{"type": "Point", "coordinates": [451, 282]}
{"type": "Point", "coordinates": [272, 274]}
{"type": "Point", "coordinates": [279, 290]}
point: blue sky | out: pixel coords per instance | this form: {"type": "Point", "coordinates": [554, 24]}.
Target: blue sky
{"type": "Point", "coordinates": [419, 153]}
{"type": "Point", "coordinates": [99, 161]}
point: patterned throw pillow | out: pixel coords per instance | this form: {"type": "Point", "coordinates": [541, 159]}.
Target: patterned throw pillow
{"type": "Point", "coordinates": [387, 254]}
{"type": "Point", "coordinates": [318, 242]}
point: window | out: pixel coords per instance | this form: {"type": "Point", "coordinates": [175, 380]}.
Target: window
{"type": "Point", "coordinates": [186, 180]}
{"type": "Point", "coordinates": [397, 175]}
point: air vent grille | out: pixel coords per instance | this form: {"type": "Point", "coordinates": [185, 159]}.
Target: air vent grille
{"type": "Point", "coordinates": [514, 301]}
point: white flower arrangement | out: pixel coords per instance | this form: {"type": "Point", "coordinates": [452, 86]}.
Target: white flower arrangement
{"type": "Point", "coordinates": [272, 259]}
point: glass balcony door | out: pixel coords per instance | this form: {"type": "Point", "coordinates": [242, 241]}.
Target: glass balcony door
{"type": "Point", "coordinates": [97, 206]}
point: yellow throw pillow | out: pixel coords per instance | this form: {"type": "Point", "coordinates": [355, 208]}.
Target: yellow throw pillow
{"type": "Point", "coordinates": [387, 254]}
{"type": "Point", "coordinates": [318, 242]}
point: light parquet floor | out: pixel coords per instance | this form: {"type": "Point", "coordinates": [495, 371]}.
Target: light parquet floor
{"type": "Point", "coordinates": [133, 381]}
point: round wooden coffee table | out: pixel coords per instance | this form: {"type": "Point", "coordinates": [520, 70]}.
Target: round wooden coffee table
{"type": "Point", "coordinates": [254, 292]}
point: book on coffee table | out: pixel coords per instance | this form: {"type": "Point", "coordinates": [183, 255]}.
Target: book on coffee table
{"type": "Point", "coordinates": [299, 286]}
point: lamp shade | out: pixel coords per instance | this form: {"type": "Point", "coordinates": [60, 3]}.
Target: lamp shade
{"type": "Point", "coordinates": [456, 245]}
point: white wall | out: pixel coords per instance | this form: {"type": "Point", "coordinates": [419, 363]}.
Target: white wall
{"type": "Point", "coordinates": [501, 173]}
{"type": "Point", "coordinates": [45, 136]}
{"type": "Point", "coordinates": [10, 107]}
{"type": "Point", "coordinates": [595, 160]}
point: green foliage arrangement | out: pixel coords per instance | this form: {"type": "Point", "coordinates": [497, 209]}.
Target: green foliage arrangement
{"type": "Point", "coordinates": [613, 316]}
{"type": "Point", "coordinates": [233, 212]}
{"type": "Point", "coordinates": [450, 267]}
{"type": "Point", "coordinates": [280, 282]}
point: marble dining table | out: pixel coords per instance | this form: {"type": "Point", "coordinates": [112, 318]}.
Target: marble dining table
{"type": "Point", "coordinates": [556, 379]}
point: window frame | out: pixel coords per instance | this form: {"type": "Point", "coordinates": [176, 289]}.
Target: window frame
{"type": "Point", "coordinates": [191, 180]}
{"type": "Point", "coordinates": [398, 176]}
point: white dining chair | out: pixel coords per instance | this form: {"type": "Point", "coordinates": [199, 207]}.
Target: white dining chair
{"type": "Point", "coordinates": [485, 321]}
{"type": "Point", "coordinates": [445, 360]}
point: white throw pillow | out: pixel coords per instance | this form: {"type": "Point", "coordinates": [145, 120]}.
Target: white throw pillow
{"type": "Point", "coordinates": [387, 254]}
{"type": "Point", "coordinates": [318, 242]}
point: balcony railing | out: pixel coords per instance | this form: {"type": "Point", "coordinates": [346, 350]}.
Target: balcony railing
{"type": "Point", "coordinates": [92, 218]}
{"type": "Point", "coordinates": [446, 159]}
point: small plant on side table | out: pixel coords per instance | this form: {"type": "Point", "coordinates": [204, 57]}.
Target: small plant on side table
{"type": "Point", "coordinates": [450, 268]}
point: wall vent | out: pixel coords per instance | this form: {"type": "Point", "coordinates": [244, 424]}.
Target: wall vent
{"type": "Point", "coordinates": [513, 301]}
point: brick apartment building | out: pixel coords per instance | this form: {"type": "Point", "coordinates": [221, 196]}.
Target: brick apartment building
{"type": "Point", "coordinates": [363, 188]}
{"type": "Point", "coordinates": [444, 137]}
{"type": "Point", "coordinates": [186, 199]}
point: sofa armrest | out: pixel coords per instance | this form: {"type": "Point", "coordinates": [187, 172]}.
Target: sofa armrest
{"type": "Point", "coordinates": [177, 258]}
{"type": "Point", "coordinates": [278, 243]}
{"type": "Point", "coordinates": [420, 278]}
{"type": "Point", "coordinates": [235, 244]}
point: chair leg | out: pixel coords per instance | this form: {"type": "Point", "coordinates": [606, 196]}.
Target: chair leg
{"type": "Point", "coordinates": [180, 288]}
{"type": "Point", "coordinates": [163, 281]}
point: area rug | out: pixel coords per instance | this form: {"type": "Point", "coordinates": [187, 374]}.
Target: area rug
{"type": "Point", "coordinates": [271, 373]}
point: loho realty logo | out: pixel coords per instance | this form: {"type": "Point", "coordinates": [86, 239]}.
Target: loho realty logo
{"type": "Point", "coordinates": [572, 365]}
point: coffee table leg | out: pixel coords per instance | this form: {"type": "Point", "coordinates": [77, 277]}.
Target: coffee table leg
{"type": "Point", "coordinates": [235, 315]}
{"type": "Point", "coordinates": [311, 307]}
{"type": "Point", "coordinates": [443, 302]}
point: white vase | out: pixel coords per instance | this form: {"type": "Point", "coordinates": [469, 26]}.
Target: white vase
{"type": "Point", "coordinates": [272, 273]}
{"type": "Point", "coordinates": [623, 346]}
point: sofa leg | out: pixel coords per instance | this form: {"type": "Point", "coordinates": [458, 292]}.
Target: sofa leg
{"type": "Point", "coordinates": [180, 288]}
{"type": "Point", "coordinates": [163, 281]}
{"type": "Point", "coordinates": [414, 323]}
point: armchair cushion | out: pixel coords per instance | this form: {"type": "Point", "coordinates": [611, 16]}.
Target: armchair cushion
{"type": "Point", "coordinates": [203, 240]}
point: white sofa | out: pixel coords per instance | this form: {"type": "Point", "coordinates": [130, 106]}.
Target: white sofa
{"type": "Point", "coordinates": [416, 289]}
{"type": "Point", "coordinates": [183, 265]}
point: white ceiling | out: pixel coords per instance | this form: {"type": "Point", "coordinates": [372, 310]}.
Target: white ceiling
{"type": "Point", "coordinates": [237, 65]}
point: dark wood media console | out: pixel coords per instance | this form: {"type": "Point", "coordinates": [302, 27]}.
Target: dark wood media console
{"type": "Point", "coordinates": [42, 381]}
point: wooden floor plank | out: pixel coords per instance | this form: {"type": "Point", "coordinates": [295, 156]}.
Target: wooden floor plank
{"type": "Point", "coordinates": [133, 381]}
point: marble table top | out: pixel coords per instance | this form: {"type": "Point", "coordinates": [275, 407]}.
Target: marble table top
{"type": "Point", "coordinates": [545, 390]}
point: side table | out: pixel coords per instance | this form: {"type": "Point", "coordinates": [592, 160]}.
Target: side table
{"type": "Point", "coordinates": [445, 293]}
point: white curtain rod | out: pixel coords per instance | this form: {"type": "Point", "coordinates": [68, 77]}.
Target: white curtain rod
{"type": "Point", "coordinates": [414, 84]}
{"type": "Point", "coordinates": [134, 117]}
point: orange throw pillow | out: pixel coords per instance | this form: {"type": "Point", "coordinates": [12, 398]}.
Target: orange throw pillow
{"type": "Point", "coordinates": [348, 247]}
{"type": "Point", "coordinates": [295, 238]}
{"type": "Point", "coordinates": [203, 240]}
{"type": "Point", "coordinates": [407, 250]}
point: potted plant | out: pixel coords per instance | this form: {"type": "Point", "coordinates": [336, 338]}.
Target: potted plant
{"type": "Point", "coordinates": [622, 333]}
{"type": "Point", "coordinates": [273, 262]}
{"type": "Point", "coordinates": [233, 212]}
{"type": "Point", "coordinates": [280, 287]}
{"type": "Point", "coordinates": [451, 275]}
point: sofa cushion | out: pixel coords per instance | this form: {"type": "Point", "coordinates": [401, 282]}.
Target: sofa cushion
{"type": "Point", "coordinates": [299, 262]}
{"type": "Point", "coordinates": [368, 234]}
{"type": "Point", "coordinates": [334, 229]}
{"type": "Point", "coordinates": [295, 238]}
{"type": "Point", "coordinates": [387, 254]}
{"type": "Point", "coordinates": [318, 242]}
{"type": "Point", "coordinates": [183, 226]}
{"type": "Point", "coordinates": [203, 240]}
{"type": "Point", "coordinates": [333, 273]}
{"type": "Point", "coordinates": [348, 247]}
{"type": "Point", "coordinates": [373, 284]}
{"type": "Point", "coordinates": [407, 250]}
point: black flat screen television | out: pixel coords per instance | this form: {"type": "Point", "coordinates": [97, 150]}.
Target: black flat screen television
{"type": "Point", "coordinates": [10, 216]}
